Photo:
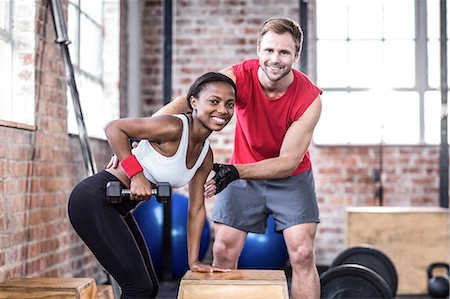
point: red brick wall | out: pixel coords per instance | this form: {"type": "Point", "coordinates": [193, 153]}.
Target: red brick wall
{"type": "Point", "coordinates": [152, 56]}
{"type": "Point", "coordinates": [343, 177]}
{"type": "Point", "coordinates": [39, 167]}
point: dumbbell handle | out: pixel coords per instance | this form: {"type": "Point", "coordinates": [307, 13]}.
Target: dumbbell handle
{"type": "Point", "coordinates": [127, 192]}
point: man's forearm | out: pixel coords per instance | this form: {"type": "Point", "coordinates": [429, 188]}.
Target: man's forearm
{"type": "Point", "coordinates": [273, 168]}
{"type": "Point", "coordinates": [178, 105]}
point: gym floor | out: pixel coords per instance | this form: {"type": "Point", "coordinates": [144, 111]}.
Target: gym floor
{"type": "Point", "coordinates": [169, 289]}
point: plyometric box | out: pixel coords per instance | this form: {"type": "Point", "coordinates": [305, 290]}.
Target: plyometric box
{"type": "Point", "coordinates": [412, 237]}
{"type": "Point", "coordinates": [237, 284]}
{"type": "Point", "coordinates": [57, 288]}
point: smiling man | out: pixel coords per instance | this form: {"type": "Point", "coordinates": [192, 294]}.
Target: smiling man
{"type": "Point", "coordinates": [277, 109]}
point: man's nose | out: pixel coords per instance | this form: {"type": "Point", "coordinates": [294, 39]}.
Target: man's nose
{"type": "Point", "coordinates": [275, 57]}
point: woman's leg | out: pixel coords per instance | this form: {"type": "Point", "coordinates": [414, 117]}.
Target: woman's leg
{"type": "Point", "coordinates": [117, 246]}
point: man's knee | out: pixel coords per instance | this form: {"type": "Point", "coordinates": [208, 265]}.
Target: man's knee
{"type": "Point", "coordinates": [222, 250]}
{"type": "Point", "coordinates": [303, 256]}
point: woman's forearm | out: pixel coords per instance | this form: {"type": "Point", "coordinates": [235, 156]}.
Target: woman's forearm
{"type": "Point", "coordinates": [195, 224]}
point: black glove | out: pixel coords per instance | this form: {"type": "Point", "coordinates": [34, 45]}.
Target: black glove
{"type": "Point", "coordinates": [225, 174]}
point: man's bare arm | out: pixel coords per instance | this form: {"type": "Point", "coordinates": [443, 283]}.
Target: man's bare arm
{"type": "Point", "coordinates": [229, 72]}
{"type": "Point", "coordinates": [178, 105]}
{"type": "Point", "coordinates": [294, 146]}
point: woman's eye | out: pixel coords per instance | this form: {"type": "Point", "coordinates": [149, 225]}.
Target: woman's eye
{"type": "Point", "coordinates": [230, 105]}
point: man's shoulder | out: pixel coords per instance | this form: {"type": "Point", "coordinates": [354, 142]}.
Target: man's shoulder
{"type": "Point", "coordinates": [302, 76]}
{"type": "Point", "coordinates": [303, 80]}
{"type": "Point", "coordinates": [246, 65]}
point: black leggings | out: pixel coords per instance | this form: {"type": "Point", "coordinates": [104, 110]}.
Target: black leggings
{"type": "Point", "coordinates": [112, 234]}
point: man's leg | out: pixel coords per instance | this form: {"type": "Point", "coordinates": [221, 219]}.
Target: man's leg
{"type": "Point", "coordinates": [227, 246]}
{"type": "Point", "coordinates": [299, 240]}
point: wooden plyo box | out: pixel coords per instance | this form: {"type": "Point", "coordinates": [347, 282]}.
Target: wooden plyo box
{"type": "Point", "coordinates": [237, 284]}
{"type": "Point", "coordinates": [49, 288]}
{"type": "Point", "coordinates": [412, 237]}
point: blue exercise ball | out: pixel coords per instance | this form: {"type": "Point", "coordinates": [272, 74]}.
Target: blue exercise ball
{"type": "Point", "coordinates": [149, 216]}
{"type": "Point", "coordinates": [264, 251]}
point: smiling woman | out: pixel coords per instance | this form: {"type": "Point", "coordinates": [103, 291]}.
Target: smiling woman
{"type": "Point", "coordinates": [173, 149]}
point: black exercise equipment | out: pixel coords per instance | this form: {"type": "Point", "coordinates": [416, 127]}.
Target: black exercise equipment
{"type": "Point", "coordinates": [115, 193]}
{"type": "Point", "coordinates": [371, 258]}
{"type": "Point", "coordinates": [438, 286]}
{"type": "Point", "coordinates": [353, 281]}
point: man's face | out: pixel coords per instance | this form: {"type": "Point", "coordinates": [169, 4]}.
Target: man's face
{"type": "Point", "coordinates": [277, 55]}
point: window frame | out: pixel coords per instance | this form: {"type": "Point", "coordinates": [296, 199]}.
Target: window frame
{"type": "Point", "coordinates": [97, 85]}
{"type": "Point", "coordinates": [19, 96]}
{"type": "Point", "coordinates": [421, 84]}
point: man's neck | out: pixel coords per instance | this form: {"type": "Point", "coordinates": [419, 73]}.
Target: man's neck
{"type": "Point", "coordinates": [275, 89]}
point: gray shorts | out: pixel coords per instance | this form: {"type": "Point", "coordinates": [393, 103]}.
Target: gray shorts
{"type": "Point", "coordinates": [246, 204]}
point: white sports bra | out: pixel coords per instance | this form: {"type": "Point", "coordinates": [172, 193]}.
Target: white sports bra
{"type": "Point", "coordinates": [173, 170]}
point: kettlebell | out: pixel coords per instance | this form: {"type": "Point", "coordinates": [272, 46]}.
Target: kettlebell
{"type": "Point", "coordinates": [438, 285]}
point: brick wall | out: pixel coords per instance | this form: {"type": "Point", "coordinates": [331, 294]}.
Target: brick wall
{"type": "Point", "coordinates": [39, 167]}
{"type": "Point", "coordinates": [343, 178]}
{"type": "Point", "coordinates": [152, 56]}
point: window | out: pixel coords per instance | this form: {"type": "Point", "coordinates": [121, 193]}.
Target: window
{"type": "Point", "coordinates": [379, 72]}
{"type": "Point", "coordinates": [94, 51]}
{"type": "Point", "coordinates": [5, 61]}
{"type": "Point", "coordinates": [16, 74]}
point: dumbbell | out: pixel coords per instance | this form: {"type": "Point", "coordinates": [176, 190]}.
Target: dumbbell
{"type": "Point", "coordinates": [115, 193]}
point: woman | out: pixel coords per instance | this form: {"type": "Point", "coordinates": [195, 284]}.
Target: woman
{"type": "Point", "coordinates": [173, 149]}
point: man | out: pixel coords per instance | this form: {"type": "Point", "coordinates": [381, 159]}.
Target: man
{"type": "Point", "coordinates": [277, 109]}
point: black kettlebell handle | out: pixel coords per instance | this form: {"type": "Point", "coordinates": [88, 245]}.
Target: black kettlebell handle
{"type": "Point", "coordinates": [437, 265]}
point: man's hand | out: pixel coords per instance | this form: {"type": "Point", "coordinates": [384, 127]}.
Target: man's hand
{"type": "Point", "coordinates": [225, 174]}
{"type": "Point", "coordinates": [113, 162]}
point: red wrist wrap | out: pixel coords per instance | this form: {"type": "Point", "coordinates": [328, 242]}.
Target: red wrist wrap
{"type": "Point", "coordinates": [131, 166]}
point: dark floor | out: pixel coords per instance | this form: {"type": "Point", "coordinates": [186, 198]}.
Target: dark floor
{"type": "Point", "coordinates": [168, 290]}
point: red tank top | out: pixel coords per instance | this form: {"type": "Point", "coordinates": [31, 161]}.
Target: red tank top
{"type": "Point", "coordinates": [261, 122]}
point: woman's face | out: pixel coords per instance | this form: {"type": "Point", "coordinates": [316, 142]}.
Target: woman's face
{"type": "Point", "coordinates": [214, 106]}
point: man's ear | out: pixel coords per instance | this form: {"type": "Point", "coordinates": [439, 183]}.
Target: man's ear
{"type": "Point", "coordinates": [297, 57]}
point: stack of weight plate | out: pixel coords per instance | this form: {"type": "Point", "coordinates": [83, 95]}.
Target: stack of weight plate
{"type": "Point", "coordinates": [360, 272]}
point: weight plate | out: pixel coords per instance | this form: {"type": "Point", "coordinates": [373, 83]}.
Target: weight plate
{"type": "Point", "coordinates": [353, 281]}
{"type": "Point", "coordinates": [371, 258]}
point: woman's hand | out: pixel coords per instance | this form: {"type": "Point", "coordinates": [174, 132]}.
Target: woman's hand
{"type": "Point", "coordinates": [202, 267]}
{"type": "Point", "coordinates": [140, 187]}
{"type": "Point", "coordinates": [209, 188]}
